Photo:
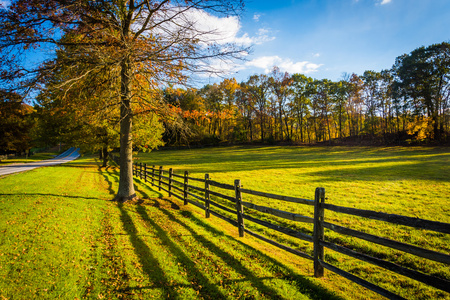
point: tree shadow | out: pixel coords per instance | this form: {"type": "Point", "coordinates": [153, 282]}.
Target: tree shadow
{"type": "Point", "coordinates": [114, 174]}
{"type": "Point", "coordinates": [107, 175]}
{"type": "Point", "coordinates": [148, 185]}
{"type": "Point", "coordinates": [200, 282]}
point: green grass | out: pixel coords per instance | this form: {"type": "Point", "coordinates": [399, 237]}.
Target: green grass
{"type": "Point", "coordinates": [49, 232]}
{"type": "Point", "coordinates": [62, 239]}
{"type": "Point", "coordinates": [407, 181]}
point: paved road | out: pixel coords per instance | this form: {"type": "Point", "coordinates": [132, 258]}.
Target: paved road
{"type": "Point", "coordinates": [69, 155]}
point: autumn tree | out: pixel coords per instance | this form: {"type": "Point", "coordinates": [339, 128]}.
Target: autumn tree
{"type": "Point", "coordinates": [279, 84]}
{"type": "Point", "coordinates": [213, 99]}
{"type": "Point", "coordinates": [245, 102]}
{"type": "Point", "coordinates": [258, 87]}
{"type": "Point", "coordinates": [16, 122]}
{"type": "Point", "coordinates": [151, 42]}
{"type": "Point", "coordinates": [371, 80]}
{"type": "Point", "coordinates": [301, 93]}
{"type": "Point", "coordinates": [229, 87]}
{"type": "Point", "coordinates": [424, 77]}
{"type": "Point", "coordinates": [354, 107]}
{"type": "Point", "coordinates": [340, 92]}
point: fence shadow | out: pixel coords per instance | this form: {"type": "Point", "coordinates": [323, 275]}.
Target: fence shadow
{"type": "Point", "coordinates": [155, 272]}
{"type": "Point", "coordinates": [240, 263]}
{"type": "Point", "coordinates": [201, 283]}
{"type": "Point", "coordinates": [150, 265]}
{"type": "Point", "coordinates": [304, 284]}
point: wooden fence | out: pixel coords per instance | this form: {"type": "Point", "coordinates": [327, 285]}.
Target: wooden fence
{"type": "Point", "coordinates": [180, 186]}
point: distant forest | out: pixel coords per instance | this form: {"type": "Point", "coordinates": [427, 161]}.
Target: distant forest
{"type": "Point", "coordinates": [408, 103]}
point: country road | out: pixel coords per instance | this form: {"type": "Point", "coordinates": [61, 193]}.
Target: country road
{"type": "Point", "coordinates": [69, 155]}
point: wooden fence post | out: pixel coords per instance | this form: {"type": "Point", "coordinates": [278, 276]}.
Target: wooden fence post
{"type": "Point", "coordinates": [170, 181]}
{"type": "Point", "coordinates": [160, 174]}
{"type": "Point", "coordinates": [318, 234]}
{"type": "Point", "coordinates": [153, 175]}
{"type": "Point", "coordinates": [239, 207]}
{"type": "Point", "coordinates": [207, 213]}
{"type": "Point", "coordinates": [140, 171]}
{"type": "Point", "coordinates": [145, 172]}
{"type": "Point", "coordinates": [186, 189]}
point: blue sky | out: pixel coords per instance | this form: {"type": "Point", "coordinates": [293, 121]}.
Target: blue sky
{"type": "Point", "coordinates": [327, 38]}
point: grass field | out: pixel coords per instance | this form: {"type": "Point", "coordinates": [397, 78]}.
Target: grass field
{"type": "Point", "coordinates": [413, 182]}
{"type": "Point", "coordinates": [60, 237]}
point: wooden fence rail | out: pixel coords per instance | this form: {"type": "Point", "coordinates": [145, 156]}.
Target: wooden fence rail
{"type": "Point", "coordinates": [201, 197]}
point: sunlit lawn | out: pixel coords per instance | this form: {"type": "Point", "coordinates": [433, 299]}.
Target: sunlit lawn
{"type": "Point", "coordinates": [61, 238]}
{"type": "Point", "coordinates": [407, 181]}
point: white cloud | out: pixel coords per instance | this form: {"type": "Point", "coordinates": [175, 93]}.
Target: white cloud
{"type": "Point", "coordinates": [4, 3]}
{"type": "Point", "coordinates": [285, 64]}
{"type": "Point", "coordinates": [217, 67]}
{"type": "Point", "coordinates": [256, 17]}
{"type": "Point", "coordinates": [377, 2]}
{"type": "Point", "coordinates": [218, 30]}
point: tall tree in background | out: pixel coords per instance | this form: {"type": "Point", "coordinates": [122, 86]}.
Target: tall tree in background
{"type": "Point", "coordinates": [147, 43]}
{"type": "Point", "coordinates": [424, 77]}
{"type": "Point", "coordinates": [355, 104]}
{"type": "Point", "coordinates": [229, 87]}
{"type": "Point", "coordinates": [16, 122]}
{"type": "Point", "coordinates": [245, 102]}
{"type": "Point", "coordinates": [258, 87]}
{"type": "Point", "coordinates": [301, 93]}
{"type": "Point", "coordinates": [385, 100]}
{"type": "Point", "coordinates": [279, 83]}
{"type": "Point", "coordinates": [371, 93]}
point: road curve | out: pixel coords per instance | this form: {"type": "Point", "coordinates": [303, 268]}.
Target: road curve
{"type": "Point", "coordinates": [69, 155]}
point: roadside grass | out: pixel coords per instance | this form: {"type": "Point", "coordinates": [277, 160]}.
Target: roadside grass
{"type": "Point", "coordinates": [51, 228]}
{"type": "Point", "coordinates": [62, 239]}
{"type": "Point", "coordinates": [413, 181]}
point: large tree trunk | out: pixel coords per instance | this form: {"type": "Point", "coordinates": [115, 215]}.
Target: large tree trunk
{"type": "Point", "coordinates": [126, 188]}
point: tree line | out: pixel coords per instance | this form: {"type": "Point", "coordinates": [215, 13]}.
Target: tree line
{"type": "Point", "coordinates": [410, 102]}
